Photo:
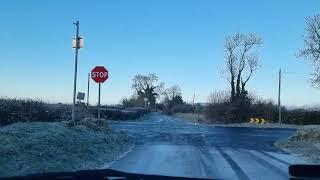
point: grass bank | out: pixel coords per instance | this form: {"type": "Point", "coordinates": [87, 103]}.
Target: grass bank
{"type": "Point", "coordinates": [37, 147]}
{"type": "Point", "coordinates": [305, 141]}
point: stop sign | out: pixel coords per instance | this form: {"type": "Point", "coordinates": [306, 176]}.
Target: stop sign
{"type": "Point", "coordinates": [99, 74]}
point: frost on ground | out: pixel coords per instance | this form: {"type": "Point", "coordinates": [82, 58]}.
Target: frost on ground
{"type": "Point", "coordinates": [37, 147]}
{"type": "Point", "coordinates": [305, 141]}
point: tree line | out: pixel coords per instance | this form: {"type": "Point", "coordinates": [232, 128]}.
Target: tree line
{"type": "Point", "coordinates": [149, 92]}
{"type": "Point", "coordinates": [241, 54]}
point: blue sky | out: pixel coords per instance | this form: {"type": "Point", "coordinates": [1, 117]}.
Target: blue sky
{"type": "Point", "coordinates": [180, 40]}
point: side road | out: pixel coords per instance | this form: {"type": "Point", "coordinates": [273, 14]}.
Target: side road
{"type": "Point", "coordinates": [305, 141]}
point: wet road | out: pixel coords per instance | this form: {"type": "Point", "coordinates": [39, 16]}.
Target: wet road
{"type": "Point", "coordinates": [168, 146]}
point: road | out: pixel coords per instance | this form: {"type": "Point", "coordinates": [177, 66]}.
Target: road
{"type": "Point", "coordinates": [168, 146]}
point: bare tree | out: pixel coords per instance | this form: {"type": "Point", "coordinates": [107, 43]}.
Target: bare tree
{"type": "Point", "coordinates": [311, 50]}
{"type": "Point", "coordinates": [147, 86]}
{"type": "Point", "coordinates": [172, 92]}
{"type": "Point", "coordinates": [241, 61]}
{"type": "Point", "coordinates": [218, 97]}
{"type": "Point", "coordinates": [172, 97]}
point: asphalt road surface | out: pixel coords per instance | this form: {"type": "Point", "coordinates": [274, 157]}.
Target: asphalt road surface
{"type": "Point", "coordinates": [168, 146]}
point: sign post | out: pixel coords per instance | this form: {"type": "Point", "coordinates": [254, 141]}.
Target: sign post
{"type": "Point", "coordinates": [80, 96]}
{"type": "Point", "coordinates": [145, 102]}
{"type": "Point", "coordinates": [99, 74]}
{"type": "Point", "coordinates": [99, 112]}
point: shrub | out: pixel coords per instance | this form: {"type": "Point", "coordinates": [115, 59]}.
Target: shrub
{"type": "Point", "coordinates": [119, 114]}
{"type": "Point", "coordinates": [133, 101]}
{"type": "Point", "coordinates": [264, 109]}
{"type": "Point", "coordinates": [14, 110]}
{"type": "Point", "coordinates": [182, 108]}
{"type": "Point", "coordinates": [242, 109]}
{"type": "Point", "coordinates": [220, 109]}
{"type": "Point", "coordinates": [27, 110]}
{"type": "Point", "coordinates": [301, 116]}
{"type": "Point", "coordinates": [219, 97]}
{"type": "Point", "coordinates": [218, 112]}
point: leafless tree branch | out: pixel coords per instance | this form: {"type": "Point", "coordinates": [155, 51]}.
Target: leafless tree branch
{"type": "Point", "coordinates": [311, 49]}
{"type": "Point", "coordinates": [241, 59]}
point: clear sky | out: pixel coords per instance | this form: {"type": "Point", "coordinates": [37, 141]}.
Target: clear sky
{"type": "Point", "coordinates": [180, 40]}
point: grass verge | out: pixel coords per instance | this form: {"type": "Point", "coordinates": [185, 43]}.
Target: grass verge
{"type": "Point", "coordinates": [37, 147]}
{"type": "Point", "coordinates": [305, 141]}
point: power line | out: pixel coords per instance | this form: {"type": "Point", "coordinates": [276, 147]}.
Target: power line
{"type": "Point", "coordinates": [291, 72]}
{"type": "Point", "coordinates": [296, 74]}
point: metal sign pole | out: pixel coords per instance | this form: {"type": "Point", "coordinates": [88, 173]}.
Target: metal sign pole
{"type": "Point", "coordinates": [75, 72]}
{"type": "Point", "coordinates": [99, 102]}
{"type": "Point", "coordinates": [99, 74]}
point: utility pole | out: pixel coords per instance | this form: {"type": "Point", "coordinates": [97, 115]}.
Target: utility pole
{"type": "Point", "coordinates": [88, 90]}
{"type": "Point", "coordinates": [75, 71]}
{"type": "Point", "coordinates": [194, 94]}
{"type": "Point", "coordinates": [279, 97]}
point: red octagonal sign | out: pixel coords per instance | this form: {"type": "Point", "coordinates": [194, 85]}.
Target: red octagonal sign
{"type": "Point", "coordinates": [99, 74]}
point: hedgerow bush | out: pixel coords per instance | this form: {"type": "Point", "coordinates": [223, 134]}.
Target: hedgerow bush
{"type": "Point", "coordinates": [220, 109]}
{"type": "Point", "coordinates": [28, 110]}
{"type": "Point", "coordinates": [301, 116]}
